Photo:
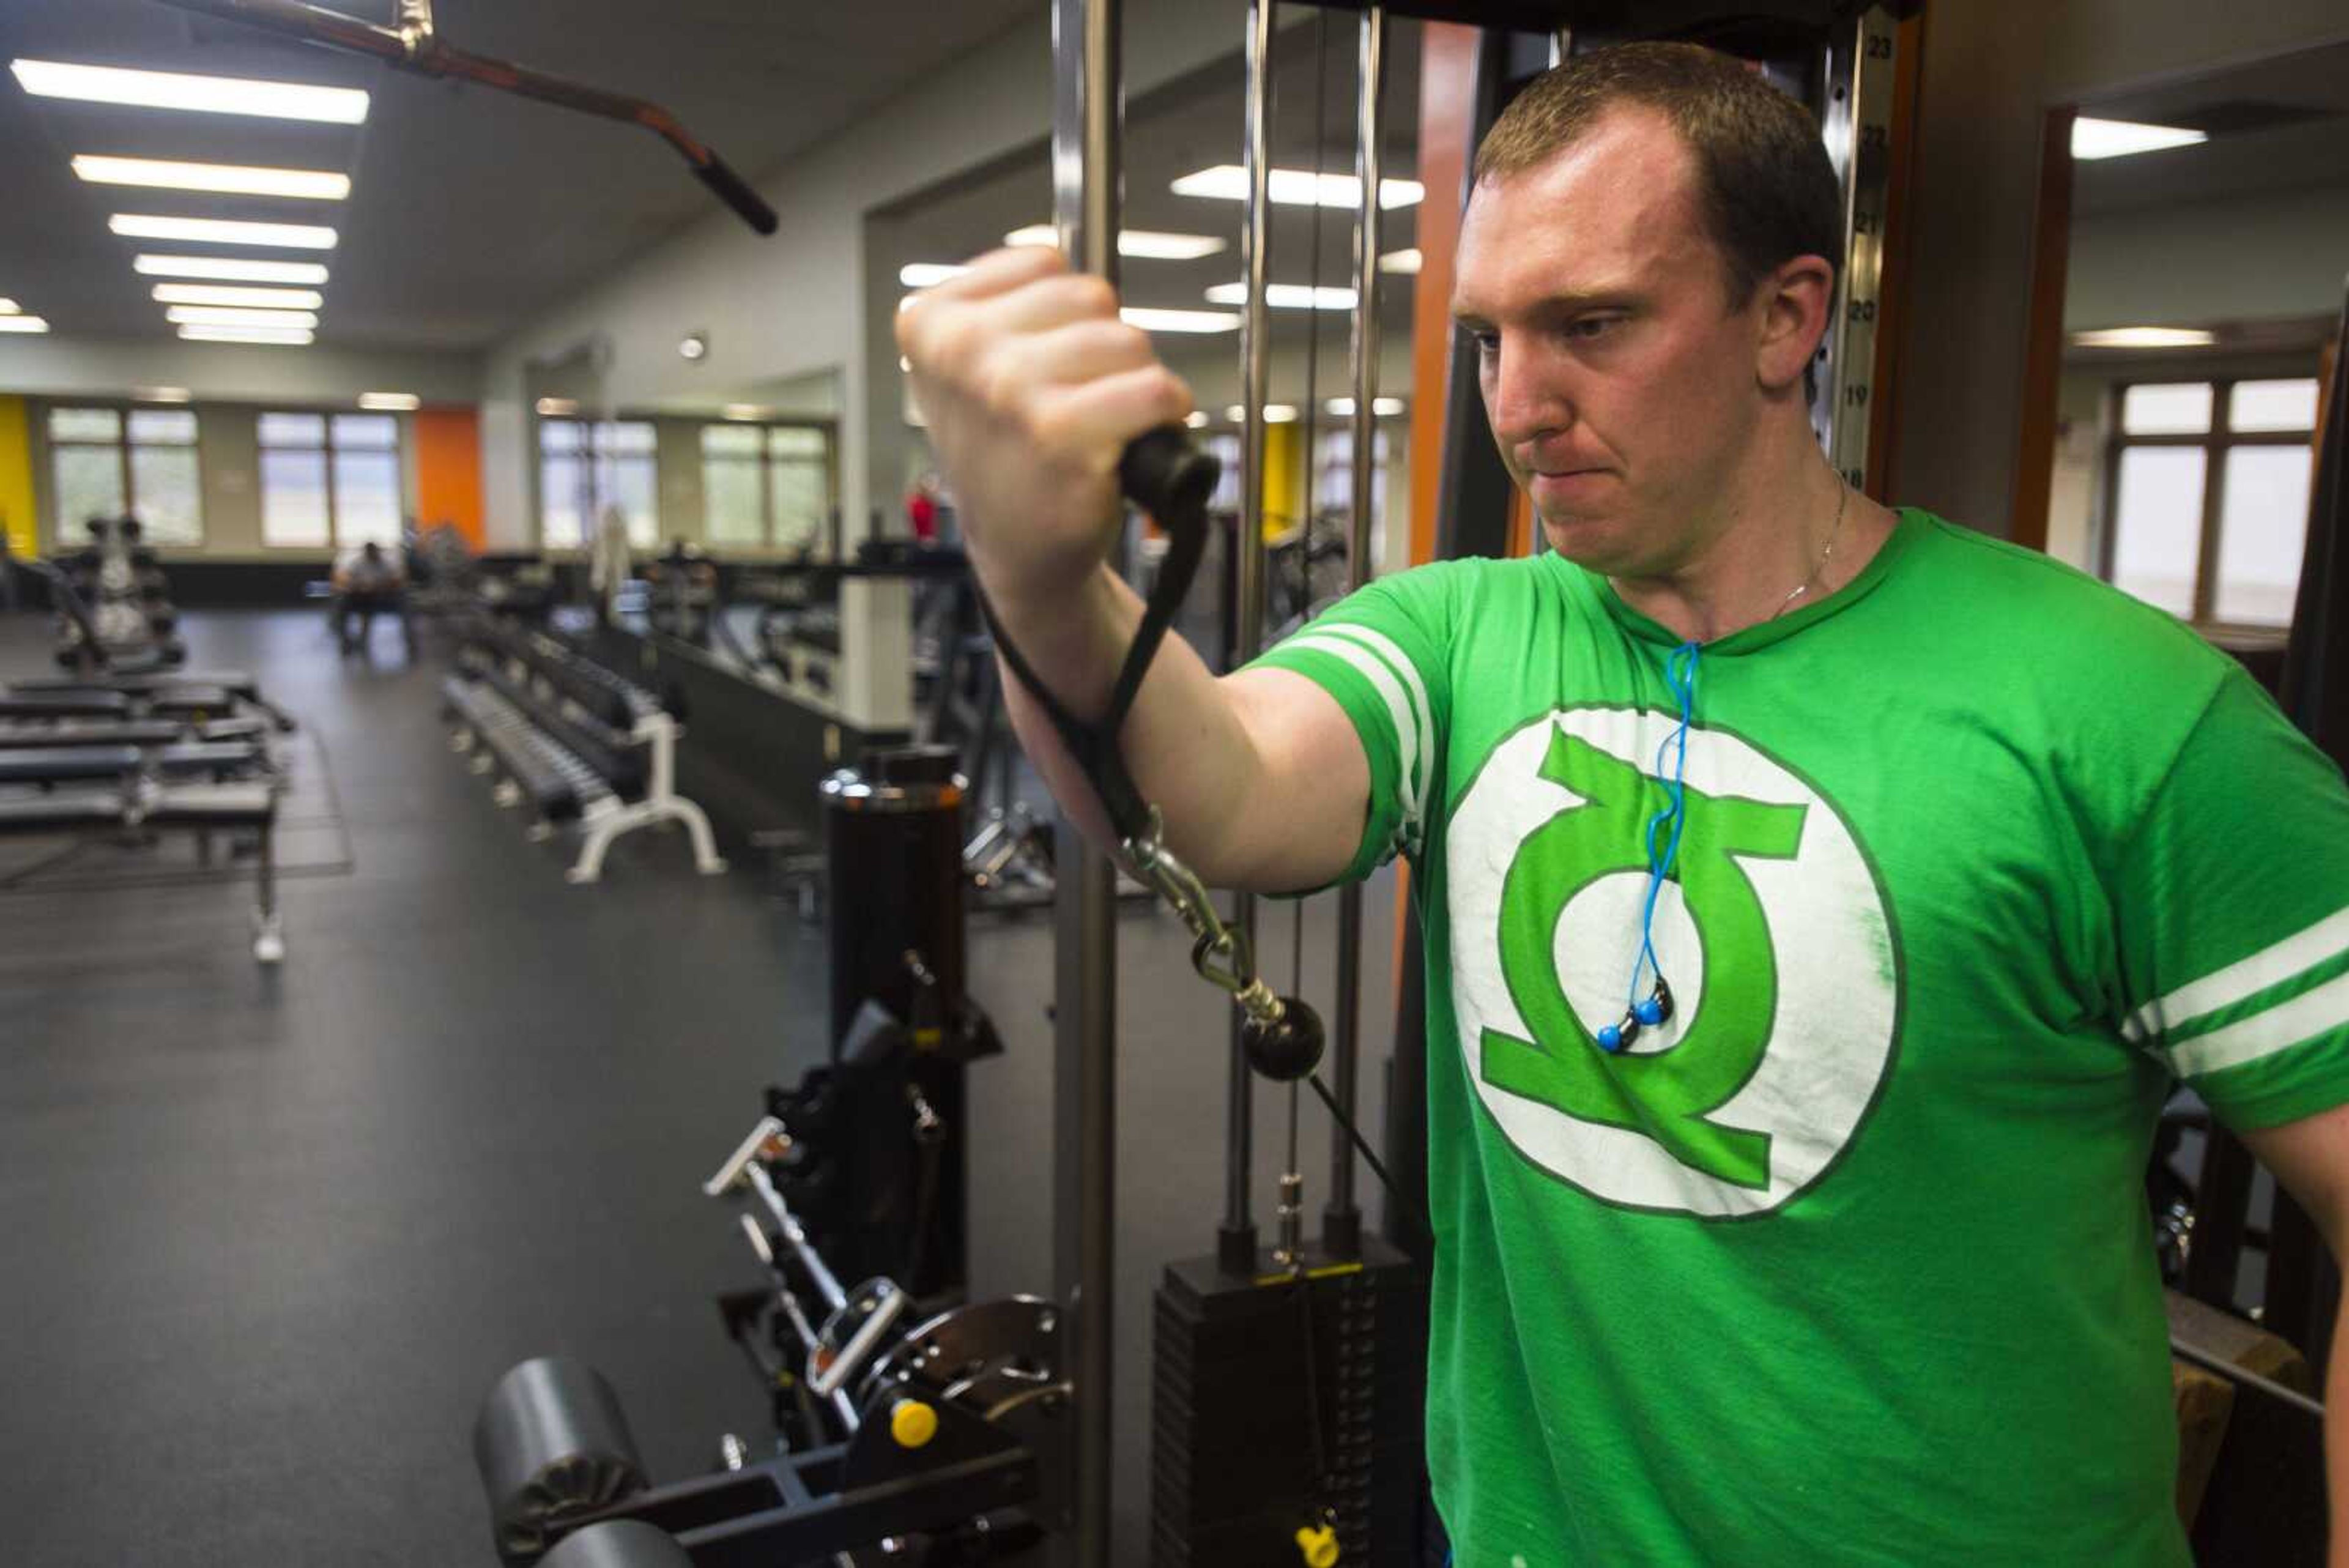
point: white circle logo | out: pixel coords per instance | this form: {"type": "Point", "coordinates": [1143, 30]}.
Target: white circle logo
{"type": "Point", "coordinates": [1772, 932]}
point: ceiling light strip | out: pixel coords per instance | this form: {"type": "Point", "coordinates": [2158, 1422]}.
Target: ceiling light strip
{"type": "Point", "coordinates": [291, 338]}
{"type": "Point", "coordinates": [221, 232]}
{"type": "Point", "coordinates": [262, 298]}
{"type": "Point", "coordinates": [225, 315]}
{"type": "Point", "coordinates": [201, 93]}
{"type": "Point", "coordinates": [221, 179]}
{"type": "Point", "coordinates": [229, 269]}
{"type": "Point", "coordinates": [1298, 188]}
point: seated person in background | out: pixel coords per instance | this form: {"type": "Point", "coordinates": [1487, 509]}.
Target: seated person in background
{"type": "Point", "coordinates": [367, 580]}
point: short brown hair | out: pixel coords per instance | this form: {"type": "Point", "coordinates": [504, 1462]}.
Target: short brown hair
{"type": "Point", "coordinates": [1766, 190]}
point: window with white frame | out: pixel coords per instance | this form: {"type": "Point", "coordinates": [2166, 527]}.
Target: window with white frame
{"type": "Point", "coordinates": [142, 463]}
{"type": "Point", "coordinates": [767, 487]}
{"type": "Point", "coordinates": [584, 467]}
{"type": "Point", "coordinates": [2207, 487]}
{"type": "Point", "coordinates": [329, 480]}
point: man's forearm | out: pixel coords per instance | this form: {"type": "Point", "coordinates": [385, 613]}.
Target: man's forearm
{"type": "Point", "coordinates": [1182, 740]}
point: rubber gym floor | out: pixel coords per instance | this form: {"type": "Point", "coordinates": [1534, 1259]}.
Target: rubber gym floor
{"type": "Point", "coordinates": [272, 1234]}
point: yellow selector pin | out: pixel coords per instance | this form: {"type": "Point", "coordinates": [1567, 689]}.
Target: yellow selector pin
{"type": "Point", "coordinates": [1319, 1545]}
{"type": "Point", "coordinates": [913, 1424]}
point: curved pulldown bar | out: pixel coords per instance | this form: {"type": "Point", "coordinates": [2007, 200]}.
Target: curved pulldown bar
{"type": "Point", "coordinates": [414, 46]}
{"type": "Point", "coordinates": [1165, 474]}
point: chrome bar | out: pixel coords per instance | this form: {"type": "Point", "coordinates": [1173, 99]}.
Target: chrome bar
{"type": "Point", "coordinates": [1086, 103]}
{"type": "Point", "coordinates": [1342, 1224]}
{"type": "Point", "coordinates": [1236, 1244]}
{"type": "Point", "coordinates": [793, 1237]}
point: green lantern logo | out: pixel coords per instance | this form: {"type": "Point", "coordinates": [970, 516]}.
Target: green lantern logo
{"type": "Point", "coordinates": [1772, 932]}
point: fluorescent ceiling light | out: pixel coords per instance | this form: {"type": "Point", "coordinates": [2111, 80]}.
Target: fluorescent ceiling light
{"type": "Point", "coordinates": [2122, 137]}
{"type": "Point", "coordinates": [227, 179]}
{"type": "Point", "coordinates": [214, 294]}
{"type": "Point", "coordinates": [229, 269]}
{"type": "Point", "coordinates": [23, 324]}
{"type": "Point", "coordinates": [209, 94]}
{"type": "Point", "coordinates": [219, 232]}
{"type": "Point", "coordinates": [390, 402]}
{"type": "Point", "coordinates": [921, 274]}
{"type": "Point", "coordinates": [2145, 338]}
{"type": "Point", "coordinates": [1150, 319]}
{"type": "Point", "coordinates": [1298, 188]}
{"type": "Point", "coordinates": [1196, 419]}
{"type": "Point", "coordinates": [290, 337]}
{"type": "Point", "coordinates": [744, 411]}
{"type": "Point", "coordinates": [1286, 296]}
{"type": "Point", "coordinates": [1274, 413]}
{"type": "Point", "coordinates": [226, 316]}
{"type": "Point", "coordinates": [556, 408]}
{"type": "Point", "coordinates": [1405, 262]}
{"type": "Point", "coordinates": [8, 307]}
{"type": "Point", "coordinates": [1384, 407]}
{"type": "Point", "coordinates": [1146, 245]}
{"type": "Point", "coordinates": [161, 395]}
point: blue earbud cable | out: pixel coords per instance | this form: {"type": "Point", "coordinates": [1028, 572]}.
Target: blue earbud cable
{"type": "Point", "coordinates": [1679, 672]}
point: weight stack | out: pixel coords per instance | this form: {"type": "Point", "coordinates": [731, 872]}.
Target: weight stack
{"type": "Point", "coordinates": [1245, 1371]}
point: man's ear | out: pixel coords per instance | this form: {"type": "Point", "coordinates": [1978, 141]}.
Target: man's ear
{"type": "Point", "coordinates": [1795, 300]}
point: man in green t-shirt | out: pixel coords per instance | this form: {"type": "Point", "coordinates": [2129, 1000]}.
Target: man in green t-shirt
{"type": "Point", "coordinates": [1821, 901]}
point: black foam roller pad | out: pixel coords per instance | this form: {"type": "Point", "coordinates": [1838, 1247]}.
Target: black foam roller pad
{"type": "Point", "coordinates": [553, 1446]}
{"type": "Point", "coordinates": [618, 1543]}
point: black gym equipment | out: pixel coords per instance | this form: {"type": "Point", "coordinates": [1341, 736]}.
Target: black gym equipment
{"type": "Point", "coordinates": [903, 1433]}
{"type": "Point", "coordinates": [112, 601]}
{"type": "Point", "coordinates": [681, 593]}
{"type": "Point", "coordinates": [414, 46]}
{"type": "Point", "coordinates": [878, 1158]}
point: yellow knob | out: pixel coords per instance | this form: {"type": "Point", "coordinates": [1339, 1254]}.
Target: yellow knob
{"type": "Point", "coordinates": [1319, 1545]}
{"type": "Point", "coordinates": [914, 1424]}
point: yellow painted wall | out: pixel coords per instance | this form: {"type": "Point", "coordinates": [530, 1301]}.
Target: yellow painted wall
{"type": "Point", "coordinates": [16, 479]}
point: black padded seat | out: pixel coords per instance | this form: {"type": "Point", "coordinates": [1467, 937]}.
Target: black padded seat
{"type": "Point", "coordinates": [97, 732]}
{"type": "Point", "coordinates": [236, 682]}
{"type": "Point", "coordinates": [217, 758]}
{"type": "Point", "coordinates": [183, 806]}
{"type": "Point", "coordinates": [77, 702]}
{"type": "Point", "coordinates": [68, 765]}
{"type": "Point", "coordinates": [72, 764]}
{"type": "Point", "coordinates": [187, 700]}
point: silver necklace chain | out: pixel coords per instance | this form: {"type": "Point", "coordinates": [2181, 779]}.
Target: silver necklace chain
{"type": "Point", "coordinates": [1843, 494]}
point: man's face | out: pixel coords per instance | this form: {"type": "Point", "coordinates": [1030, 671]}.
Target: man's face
{"type": "Point", "coordinates": [1621, 385]}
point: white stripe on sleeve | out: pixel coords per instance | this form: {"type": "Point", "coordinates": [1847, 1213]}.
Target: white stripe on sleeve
{"type": "Point", "coordinates": [1422, 710]}
{"type": "Point", "coordinates": [2244, 978]}
{"type": "Point", "coordinates": [1399, 713]}
{"type": "Point", "coordinates": [2286, 1025]}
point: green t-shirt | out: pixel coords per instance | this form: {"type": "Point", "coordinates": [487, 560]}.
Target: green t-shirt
{"type": "Point", "coordinates": [1850, 1261]}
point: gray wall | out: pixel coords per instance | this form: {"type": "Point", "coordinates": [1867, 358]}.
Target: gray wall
{"type": "Point", "coordinates": [110, 368]}
{"type": "Point", "coordinates": [1991, 70]}
{"type": "Point", "coordinates": [2273, 254]}
{"type": "Point", "coordinates": [2095, 46]}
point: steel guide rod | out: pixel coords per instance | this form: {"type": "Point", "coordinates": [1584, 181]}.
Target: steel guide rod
{"type": "Point", "coordinates": [1236, 1242]}
{"type": "Point", "coordinates": [1086, 104]}
{"type": "Point", "coordinates": [1341, 1228]}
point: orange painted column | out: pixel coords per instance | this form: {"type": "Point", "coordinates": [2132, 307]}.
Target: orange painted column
{"type": "Point", "coordinates": [449, 470]}
{"type": "Point", "coordinates": [1447, 100]}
